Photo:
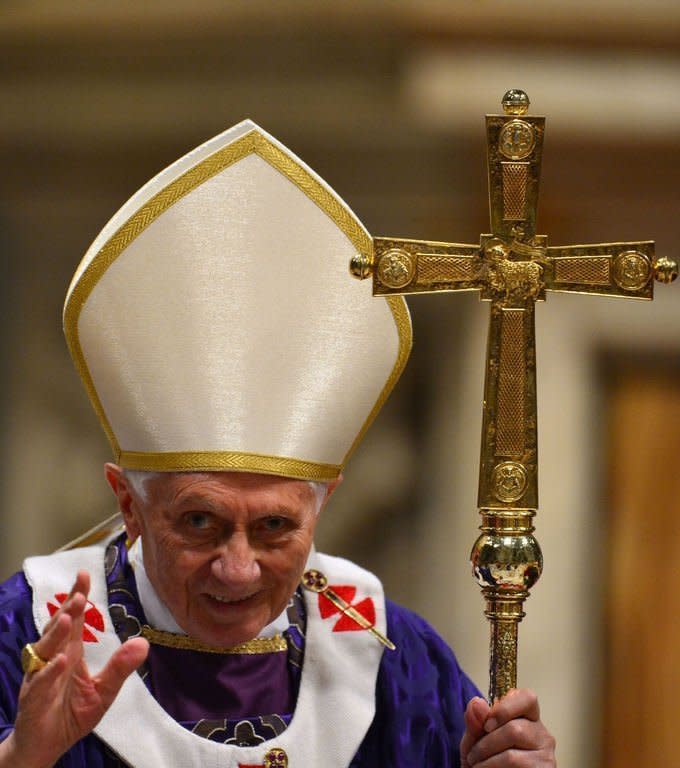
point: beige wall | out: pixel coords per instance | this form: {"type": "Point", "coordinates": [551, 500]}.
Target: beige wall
{"type": "Point", "coordinates": [385, 100]}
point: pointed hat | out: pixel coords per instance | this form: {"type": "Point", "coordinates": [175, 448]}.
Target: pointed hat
{"type": "Point", "coordinates": [215, 324]}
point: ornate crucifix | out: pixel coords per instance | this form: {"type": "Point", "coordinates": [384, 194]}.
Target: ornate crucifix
{"type": "Point", "coordinates": [512, 268]}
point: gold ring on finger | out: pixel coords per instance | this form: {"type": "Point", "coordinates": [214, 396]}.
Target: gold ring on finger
{"type": "Point", "coordinates": [30, 661]}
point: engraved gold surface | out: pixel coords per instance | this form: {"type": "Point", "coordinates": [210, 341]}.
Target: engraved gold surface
{"type": "Point", "coordinates": [588, 261]}
{"type": "Point", "coordinates": [276, 644]}
{"type": "Point", "coordinates": [251, 143]}
{"type": "Point", "coordinates": [631, 270]}
{"type": "Point", "coordinates": [517, 139]}
{"type": "Point", "coordinates": [432, 268]}
{"type": "Point", "coordinates": [504, 654]}
{"type": "Point", "coordinates": [515, 178]}
{"type": "Point", "coordinates": [438, 266]}
{"type": "Point", "coordinates": [396, 268]}
{"type": "Point", "coordinates": [512, 282]}
{"type": "Point", "coordinates": [510, 421]}
{"type": "Point", "coordinates": [593, 270]}
{"type": "Point", "coordinates": [513, 268]}
{"type": "Point", "coordinates": [509, 479]}
{"type": "Point", "coordinates": [276, 758]}
{"type": "Point", "coordinates": [509, 411]}
{"type": "Point", "coordinates": [514, 144]}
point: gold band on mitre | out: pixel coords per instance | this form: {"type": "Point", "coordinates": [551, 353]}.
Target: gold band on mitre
{"type": "Point", "coordinates": [224, 461]}
{"type": "Point", "coordinates": [31, 662]}
{"type": "Point", "coordinates": [215, 324]}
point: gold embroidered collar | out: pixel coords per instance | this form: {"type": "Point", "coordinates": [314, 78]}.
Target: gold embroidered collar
{"type": "Point", "coordinates": [274, 644]}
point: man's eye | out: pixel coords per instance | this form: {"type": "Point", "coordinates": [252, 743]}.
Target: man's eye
{"type": "Point", "coordinates": [274, 524]}
{"type": "Point", "coordinates": [198, 521]}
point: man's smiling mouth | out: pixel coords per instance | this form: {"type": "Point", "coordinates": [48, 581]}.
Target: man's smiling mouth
{"type": "Point", "coordinates": [221, 599]}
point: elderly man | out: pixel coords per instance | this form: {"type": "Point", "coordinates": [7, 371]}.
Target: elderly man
{"type": "Point", "coordinates": [234, 366]}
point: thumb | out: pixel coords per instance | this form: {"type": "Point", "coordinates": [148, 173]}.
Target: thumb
{"type": "Point", "coordinates": [123, 662]}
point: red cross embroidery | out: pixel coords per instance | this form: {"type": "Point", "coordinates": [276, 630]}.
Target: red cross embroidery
{"type": "Point", "coordinates": [346, 623]}
{"type": "Point", "coordinates": [93, 617]}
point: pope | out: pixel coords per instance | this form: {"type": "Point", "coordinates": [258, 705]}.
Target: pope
{"type": "Point", "coordinates": [234, 366]}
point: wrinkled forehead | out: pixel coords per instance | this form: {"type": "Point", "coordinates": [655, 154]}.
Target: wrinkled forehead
{"type": "Point", "coordinates": [226, 488]}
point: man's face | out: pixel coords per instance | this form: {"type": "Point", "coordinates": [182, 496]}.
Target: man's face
{"type": "Point", "coordinates": [224, 551]}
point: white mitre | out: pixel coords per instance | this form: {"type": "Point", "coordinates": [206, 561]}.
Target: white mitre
{"type": "Point", "coordinates": [216, 326]}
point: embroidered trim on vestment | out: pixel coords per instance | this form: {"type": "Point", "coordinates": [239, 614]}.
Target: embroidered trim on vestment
{"type": "Point", "coordinates": [254, 646]}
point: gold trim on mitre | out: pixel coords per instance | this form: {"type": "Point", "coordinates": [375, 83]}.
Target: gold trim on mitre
{"type": "Point", "coordinates": [252, 142]}
{"type": "Point", "coordinates": [228, 461]}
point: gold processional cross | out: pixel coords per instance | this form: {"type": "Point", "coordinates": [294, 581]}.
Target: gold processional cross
{"type": "Point", "coordinates": [512, 268]}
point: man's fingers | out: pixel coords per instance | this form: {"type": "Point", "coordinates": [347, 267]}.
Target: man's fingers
{"type": "Point", "coordinates": [522, 735]}
{"type": "Point", "coordinates": [123, 662]}
{"type": "Point", "coordinates": [79, 599]}
{"type": "Point", "coordinates": [81, 586]}
{"type": "Point", "coordinates": [512, 735]}
{"type": "Point", "coordinates": [54, 638]}
{"type": "Point", "coordinates": [44, 679]}
{"type": "Point", "coordinates": [516, 703]}
{"type": "Point", "coordinates": [42, 686]}
{"type": "Point", "coordinates": [475, 715]}
{"type": "Point", "coordinates": [66, 626]}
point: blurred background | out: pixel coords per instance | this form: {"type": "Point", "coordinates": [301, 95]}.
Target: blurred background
{"type": "Point", "coordinates": [385, 100]}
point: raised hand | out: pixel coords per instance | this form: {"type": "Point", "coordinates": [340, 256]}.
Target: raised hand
{"type": "Point", "coordinates": [61, 703]}
{"type": "Point", "coordinates": [508, 735]}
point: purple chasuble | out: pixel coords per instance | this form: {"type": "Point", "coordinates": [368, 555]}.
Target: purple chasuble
{"type": "Point", "coordinates": [239, 686]}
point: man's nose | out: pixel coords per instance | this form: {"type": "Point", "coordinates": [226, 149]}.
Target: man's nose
{"type": "Point", "coordinates": [236, 562]}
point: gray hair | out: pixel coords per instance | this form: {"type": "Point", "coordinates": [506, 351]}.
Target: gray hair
{"type": "Point", "coordinates": [138, 480]}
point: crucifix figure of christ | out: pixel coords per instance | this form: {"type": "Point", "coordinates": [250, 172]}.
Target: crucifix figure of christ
{"type": "Point", "coordinates": [513, 267]}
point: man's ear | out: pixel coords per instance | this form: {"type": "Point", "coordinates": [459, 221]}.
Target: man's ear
{"type": "Point", "coordinates": [126, 503]}
{"type": "Point", "coordinates": [330, 487]}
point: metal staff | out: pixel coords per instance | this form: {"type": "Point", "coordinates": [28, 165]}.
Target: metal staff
{"type": "Point", "coordinates": [512, 267]}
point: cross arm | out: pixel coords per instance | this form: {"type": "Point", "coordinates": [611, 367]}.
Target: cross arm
{"type": "Point", "coordinates": [605, 269]}
{"type": "Point", "coordinates": [420, 266]}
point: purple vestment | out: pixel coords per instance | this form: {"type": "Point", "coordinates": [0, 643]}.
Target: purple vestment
{"type": "Point", "coordinates": [420, 697]}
